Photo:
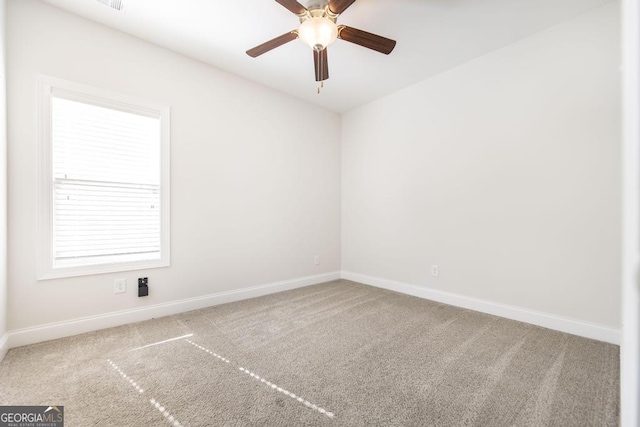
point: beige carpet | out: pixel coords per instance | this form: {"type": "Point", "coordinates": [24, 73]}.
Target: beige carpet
{"type": "Point", "coordinates": [336, 354]}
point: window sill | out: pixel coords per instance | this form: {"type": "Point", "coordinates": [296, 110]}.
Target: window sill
{"type": "Point", "coordinates": [59, 273]}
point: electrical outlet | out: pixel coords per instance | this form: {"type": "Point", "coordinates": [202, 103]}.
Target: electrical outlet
{"type": "Point", "coordinates": [316, 260]}
{"type": "Point", "coordinates": [435, 270]}
{"type": "Point", "coordinates": [119, 286]}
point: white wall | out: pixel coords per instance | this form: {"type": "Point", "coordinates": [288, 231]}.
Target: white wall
{"type": "Point", "coordinates": [504, 171]}
{"type": "Point", "coordinates": [630, 346]}
{"type": "Point", "coordinates": [3, 183]}
{"type": "Point", "coordinates": [255, 175]}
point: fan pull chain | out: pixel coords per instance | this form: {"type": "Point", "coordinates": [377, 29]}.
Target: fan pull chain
{"type": "Point", "coordinates": [320, 86]}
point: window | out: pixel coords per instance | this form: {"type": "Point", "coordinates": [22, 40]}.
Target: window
{"type": "Point", "coordinates": [104, 198]}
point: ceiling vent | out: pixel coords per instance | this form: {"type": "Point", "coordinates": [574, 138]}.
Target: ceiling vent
{"type": "Point", "coordinates": [114, 4]}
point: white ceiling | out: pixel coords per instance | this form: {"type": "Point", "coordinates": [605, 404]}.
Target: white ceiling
{"type": "Point", "coordinates": [433, 36]}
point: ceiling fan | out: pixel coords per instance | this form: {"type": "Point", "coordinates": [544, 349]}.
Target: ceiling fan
{"type": "Point", "coordinates": [318, 29]}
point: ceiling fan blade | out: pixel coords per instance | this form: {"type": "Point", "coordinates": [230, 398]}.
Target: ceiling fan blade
{"type": "Point", "coordinates": [338, 6]}
{"type": "Point", "coordinates": [321, 64]}
{"type": "Point", "coordinates": [368, 40]}
{"type": "Point", "coordinates": [293, 6]}
{"type": "Point", "coordinates": [272, 44]}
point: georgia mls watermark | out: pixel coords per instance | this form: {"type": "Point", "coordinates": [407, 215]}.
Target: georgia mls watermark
{"type": "Point", "coordinates": [31, 416]}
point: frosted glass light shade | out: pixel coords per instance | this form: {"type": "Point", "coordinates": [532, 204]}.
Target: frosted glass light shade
{"type": "Point", "coordinates": [318, 33]}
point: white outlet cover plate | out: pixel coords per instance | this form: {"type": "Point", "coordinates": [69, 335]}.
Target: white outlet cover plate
{"type": "Point", "coordinates": [120, 286]}
{"type": "Point", "coordinates": [435, 271]}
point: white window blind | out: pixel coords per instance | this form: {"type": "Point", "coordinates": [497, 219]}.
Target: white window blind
{"type": "Point", "coordinates": [106, 184]}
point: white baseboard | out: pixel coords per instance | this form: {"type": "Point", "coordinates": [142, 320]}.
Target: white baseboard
{"type": "Point", "coordinates": [4, 346]}
{"type": "Point", "coordinates": [551, 321]}
{"type": "Point", "coordinates": [52, 331]}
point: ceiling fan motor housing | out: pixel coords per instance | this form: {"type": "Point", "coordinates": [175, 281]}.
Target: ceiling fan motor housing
{"type": "Point", "coordinates": [318, 12]}
{"type": "Point", "coordinates": [316, 4]}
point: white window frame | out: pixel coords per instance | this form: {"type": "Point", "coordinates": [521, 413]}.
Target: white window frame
{"type": "Point", "coordinates": [95, 96]}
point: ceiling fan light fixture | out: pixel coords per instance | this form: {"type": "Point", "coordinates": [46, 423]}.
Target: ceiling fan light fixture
{"type": "Point", "coordinates": [318, 32]}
